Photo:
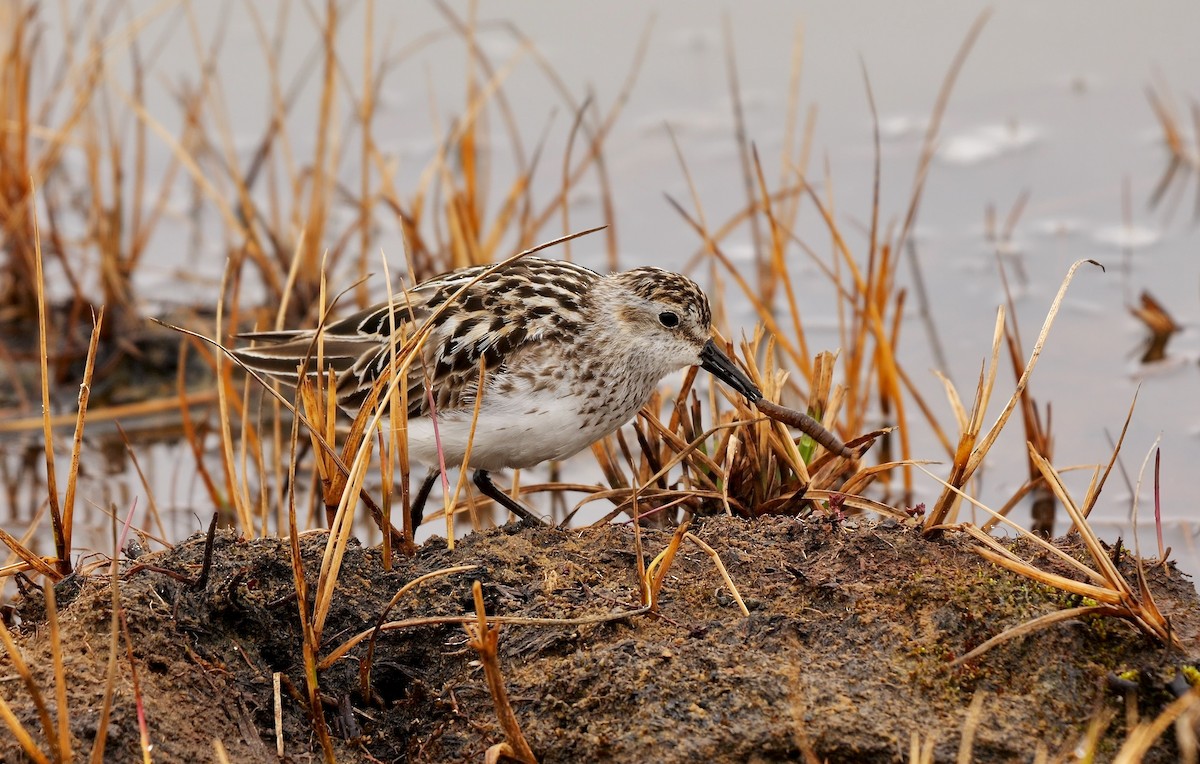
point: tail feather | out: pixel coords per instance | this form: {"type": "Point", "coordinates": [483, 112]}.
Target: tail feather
{"type": "Point", "coordinates": [277, 337]}
{"type": "Point", "coordinates": [355, 348]}
{"type": "Point", "coordinates": [282, 360]}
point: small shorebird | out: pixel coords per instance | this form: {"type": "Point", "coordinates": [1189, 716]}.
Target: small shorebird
{"type": "Point", "coordinates": [569, 356]}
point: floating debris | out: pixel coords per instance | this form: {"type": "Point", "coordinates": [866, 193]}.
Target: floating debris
{"type": "Point", "coordinates": [1161, 326]}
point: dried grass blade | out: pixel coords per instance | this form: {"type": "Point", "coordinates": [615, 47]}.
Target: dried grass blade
{"type": "Point", "coordinates": [733, 590]}
{"type": "Point", "coordinates": [857, 502]}
{"type": "Point", "coordinates": [110, 678]}
{"type": "Point", "coordinates": [85, 389]}
{"type": "Point", "coordinates": [1036, 624]}
{"type": "Point", "coordinates": [339, 537]}
{"type": "Point", "coordinates": [480, 387]}
{"type": "Point", "coordinates": [1034, 355]}
{"type": "Point", "coordinates": [863, 476]}
{"type": "Point", "coordinates": [1098, 593]}
{"type": "Point", "coordinates": [956, 406]}
{"type": "Point", "coordinates": [1033, 537]}
{"type": "Point", "coordinates": [278, 708]}
{"type": "Point", "coordinates": [349, 644]}
{"type": "Point", "coordinates": [35, 562]}
{"type": "Point", "coordinates": [60, 675]}
{"type": "Point", "coordinates": [961, 468]}
{"type": "Point", "coordinates": [56, 518]}
{"type": "Point", "coordinates": [929, 142]}
{"type": "Point", "coordinates": [1011, 503]}
{"type": "Point", "coordinates": [1103, 563]}
{"type": "Point", "coordinates": [241, 504]}
{"type": "Point", "coordinates": [656, 571]}
{"type": "Point", "coordinates": [39, 701]}
{"type": "Point", "coordinates": [970, 726]}
{"type": "Point", "coordinates": [24, 739]}
{"type": "Point", "coordinates": [123, 411]}
{"type": "Point", "coordinates": [485, 639]}
{"type": "Point", "coordinates": [1143, 736]}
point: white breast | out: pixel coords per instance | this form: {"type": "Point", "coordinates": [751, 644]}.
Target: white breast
{"type": "Point", "coordinates": [514, 432]}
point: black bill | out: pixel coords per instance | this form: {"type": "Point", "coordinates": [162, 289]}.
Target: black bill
{"type": "Point", "coordinates": [719, 365]}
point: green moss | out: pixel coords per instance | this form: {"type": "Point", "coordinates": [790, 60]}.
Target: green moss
{"type": "Point", "coordinates": [1191, 674]}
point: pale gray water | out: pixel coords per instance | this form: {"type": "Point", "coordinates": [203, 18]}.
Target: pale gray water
{"type": "Point", "coordinates": [1051, 102]}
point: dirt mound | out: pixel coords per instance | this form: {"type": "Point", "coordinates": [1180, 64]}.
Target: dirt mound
{"type": "Point", "coordinates": [845, 652]}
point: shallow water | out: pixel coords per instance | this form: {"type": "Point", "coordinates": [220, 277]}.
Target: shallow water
{"type": "Point", "coordinates": [1051, 102]}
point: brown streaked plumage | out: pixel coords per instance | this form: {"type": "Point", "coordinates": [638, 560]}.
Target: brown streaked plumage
{"type": "Point", "coordinates": [570, 356]}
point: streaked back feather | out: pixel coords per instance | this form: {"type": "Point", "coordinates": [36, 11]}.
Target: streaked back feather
{"type": "Point", "coordinates": [497, 318]}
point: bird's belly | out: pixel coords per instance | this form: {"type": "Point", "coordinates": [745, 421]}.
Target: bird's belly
{"type": "Point", "coordinates": [514, 434]}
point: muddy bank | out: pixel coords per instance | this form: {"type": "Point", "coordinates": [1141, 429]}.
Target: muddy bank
{"type": "Point", "coordinates": [845, 652]}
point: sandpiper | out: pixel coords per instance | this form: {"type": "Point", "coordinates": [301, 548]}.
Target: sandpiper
{"type": "Point", "coordinates": [569, 356]}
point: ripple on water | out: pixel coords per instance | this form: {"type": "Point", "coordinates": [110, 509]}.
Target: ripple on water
{"type": "Point", "coordinates": [987, 142]}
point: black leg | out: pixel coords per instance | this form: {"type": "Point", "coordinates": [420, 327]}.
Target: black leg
{"type": "Point", "coordinates": [416, 511]}
{"type": "Point", "coordinates": [484, 483]}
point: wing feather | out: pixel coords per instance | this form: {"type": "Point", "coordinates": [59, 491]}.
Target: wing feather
{"type": "Point", "coordinates": [496, 318]}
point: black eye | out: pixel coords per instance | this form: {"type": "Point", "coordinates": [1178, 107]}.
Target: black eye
{"type": "Point", "coordinates": [668, 319]}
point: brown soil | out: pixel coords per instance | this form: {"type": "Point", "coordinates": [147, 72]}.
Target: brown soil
{"type": "Point", "coordinates": [845, 652]}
